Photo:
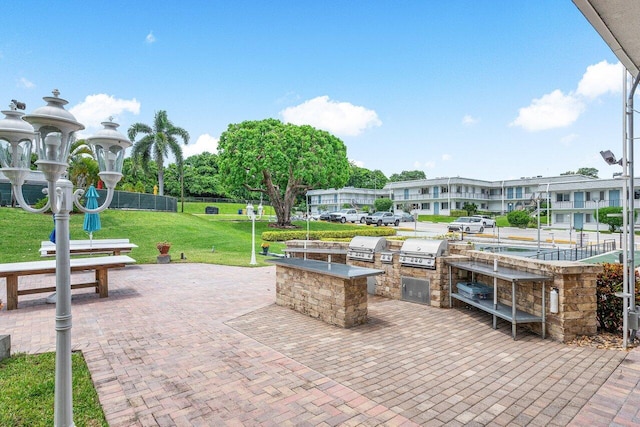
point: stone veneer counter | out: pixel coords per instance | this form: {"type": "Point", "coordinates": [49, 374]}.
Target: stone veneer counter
{"type": "Point", "coordinates": [335, 293]}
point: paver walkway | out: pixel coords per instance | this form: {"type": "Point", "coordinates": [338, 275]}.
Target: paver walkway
{"type": "Point", "coordinates": [203, 345]}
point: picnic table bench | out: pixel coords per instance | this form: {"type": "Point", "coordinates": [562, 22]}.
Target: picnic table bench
{"type": "Point", "coordinates": [85, 247]}
{"type": "Point", "coordinates": [12, 271]}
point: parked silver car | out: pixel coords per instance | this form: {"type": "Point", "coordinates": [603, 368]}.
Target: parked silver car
{"type": "Point", "coordinates": [405, 217]}
{"type": "Point", "coordinates": [468, 224]}
{"type": "Point", "coordinates": [382, 218]}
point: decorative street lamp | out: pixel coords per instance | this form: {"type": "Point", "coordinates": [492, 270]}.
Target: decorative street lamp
{"type": "Point", "coordinates": [52, 130]}
{"type": "Point", "coordinates": [252, 216]}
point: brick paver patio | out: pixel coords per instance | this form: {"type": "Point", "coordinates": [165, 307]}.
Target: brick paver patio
{"type": "Point", "coordinates": [202, 345]}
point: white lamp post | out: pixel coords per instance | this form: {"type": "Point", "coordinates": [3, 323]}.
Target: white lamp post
{"type": "Point", "coordinates": [252, 216]}
{"type": "Point", "coordinates": [538, 215]}
{"type": "Point", "coordinates": [597, 225]}
{"type": "Point", "coordinates": [52, 129]}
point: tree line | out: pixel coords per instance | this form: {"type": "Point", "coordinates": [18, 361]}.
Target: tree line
{"type": "Point", "coordinates": [264, 159]}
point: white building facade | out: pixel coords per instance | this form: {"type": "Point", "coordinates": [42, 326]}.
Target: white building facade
{"type": "Point", "coordinates": [570, 201]}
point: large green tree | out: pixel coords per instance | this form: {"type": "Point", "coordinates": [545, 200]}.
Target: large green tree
{"type": "Point", "coordinates": [407, 176]}
{"type": "Point", "coordinates": [365, 178]}
{"type": "Point", "coordinates": [156, 144]}
{"type": "Point", "coordinates": [592, 172]}
{"type": "Point", "coordinates": [281, 161]}
{"type": "Point", "coordinates": [201, 177]}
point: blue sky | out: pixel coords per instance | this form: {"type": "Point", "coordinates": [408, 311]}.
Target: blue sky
{"type": "Point", "coordinates": [490, 90]}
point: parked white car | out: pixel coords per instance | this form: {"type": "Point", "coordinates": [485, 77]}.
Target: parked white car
{"type": "Point", "coordinates": [468, 224]}
{"type": "Point", "coordinates": [486, 220]}
{"type": "Point", "coordinates": [347, 215]}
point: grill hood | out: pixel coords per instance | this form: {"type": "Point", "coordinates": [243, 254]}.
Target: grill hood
{"type": "Point", "coordinates": [424, 247]}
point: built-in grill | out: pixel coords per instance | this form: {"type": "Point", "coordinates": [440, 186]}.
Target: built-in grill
{"type": "Point", "coordinates": [364, 248]}
{"type": "Point", "coordinates": [422, 253]}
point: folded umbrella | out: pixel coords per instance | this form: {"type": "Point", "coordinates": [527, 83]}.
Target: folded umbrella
{"type": "Point", "coordinates": [91, 220]}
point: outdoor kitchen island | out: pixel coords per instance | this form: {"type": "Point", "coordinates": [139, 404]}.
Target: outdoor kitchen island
{"type": "Point", "coordinates": [335, 293]}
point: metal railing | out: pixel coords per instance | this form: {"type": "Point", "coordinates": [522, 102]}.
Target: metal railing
{"type": "Point", "coordinates": [575, 254]}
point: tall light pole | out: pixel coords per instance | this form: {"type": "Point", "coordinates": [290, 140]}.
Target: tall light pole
{"type": "Point", "coordinates": [52, 130]}
{"type": "Point", "coordinates": [610, 159]}
{"type": "Point", "coordinates": [253, 216]}
{"type": "Point", "coordinates": [597, 225]}
{"type": "Point", "coordinates": [538, 216]}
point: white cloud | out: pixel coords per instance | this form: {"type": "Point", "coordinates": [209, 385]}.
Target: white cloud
{"type": "Point", "coordinates": [358, 163]}
{"type": "Point", "coordinates": [600, 79]}
{"type": "Point", "coordinates": [553, 110]}
{"type": "Point", "coordinates": [95, 109]}
{"type": "Point", "coordinates": [150, 38]}
{"type": "Point", "coordinates": [447, 157]}
{"type": "Point", "coordinates": [430, 165]}
{"type": "Point", "coordinates": [24, 83]}
{"type": "Point", "coordinates": [469, 120]}
{"type": "Point", "coordinates": [557, 110]}
{"type": "Point", "coordinates": [205, 142]}
{"type": "Point", "coordinates": [339, 118]}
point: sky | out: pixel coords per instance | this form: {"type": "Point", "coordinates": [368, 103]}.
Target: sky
{"type": "Point", "coordinates": [492, 90]}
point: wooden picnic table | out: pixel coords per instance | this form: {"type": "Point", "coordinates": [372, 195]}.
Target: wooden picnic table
{"type": "Point", "coordinates": [13, 270]}
{"type": "Point", "coordinates": [85, 247]}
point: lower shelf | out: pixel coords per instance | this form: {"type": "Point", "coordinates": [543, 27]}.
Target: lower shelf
{"type": "Point", "coordinates": [503, 311]}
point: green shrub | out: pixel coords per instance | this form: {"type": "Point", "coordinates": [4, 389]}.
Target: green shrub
{"type": "Point", "coordinates": [518, 219]}
{"type": "Point", "coordinates": [610, 307]}
{"type": "Point", "coordinates": [457, 213]}
{"type": "Point", "coordinates": [284, 235]}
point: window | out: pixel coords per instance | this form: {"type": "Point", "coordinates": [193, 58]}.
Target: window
{"type": "Point", "coordinates": [588, 218]}
{"type": "Point", "coordinates": [426, 206]}
{"type": "Point", "coordinates": [459, 189]}
{"type": "Point", "coordinates": [445, 205]}
{"type": "Point", "coordinates": [406, 193]}
{"type": "Point", "coordinates": [444, 189]}
{"type": "Point", "coordinates": [559, 219]}
{"type": "Point", "coordinates": [562, 197]}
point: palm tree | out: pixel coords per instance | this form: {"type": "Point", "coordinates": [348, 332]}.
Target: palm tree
{"type": "Point", "coordinates": [83, 168]}
{"type": "Point", "coordinates": [157, 142]}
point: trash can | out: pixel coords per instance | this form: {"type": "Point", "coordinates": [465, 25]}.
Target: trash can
{"type": "Point", "coordinates": [239, 211]}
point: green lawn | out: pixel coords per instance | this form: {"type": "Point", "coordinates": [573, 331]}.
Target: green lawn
{"type": "Point", "coordinates": [215, 239]}
{"type": "Point", "coordinates": [28, 385]}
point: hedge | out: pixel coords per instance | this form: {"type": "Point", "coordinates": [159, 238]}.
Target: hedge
{"type": "Point", "coordinates": [284, 235]}
{"type": "Point", "coordinates": [610, 307]}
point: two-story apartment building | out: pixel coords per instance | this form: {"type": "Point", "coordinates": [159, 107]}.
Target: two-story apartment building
{"type": "Point", "coordinates": [570, 200]}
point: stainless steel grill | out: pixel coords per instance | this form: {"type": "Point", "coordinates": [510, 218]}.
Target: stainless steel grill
{"type": "Point", "coordinates": [422, 253]}
{"type": "Point", "coordinates": [364, 248]}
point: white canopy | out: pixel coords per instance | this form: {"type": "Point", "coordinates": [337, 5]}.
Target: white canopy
{"type": "Point", "coordinates": [618, 23]}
